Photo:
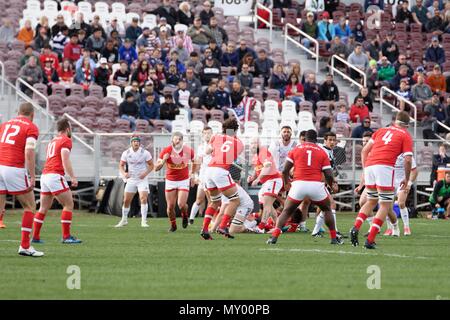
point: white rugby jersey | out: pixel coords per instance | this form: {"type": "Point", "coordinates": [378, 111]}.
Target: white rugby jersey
{"type": "Point", "coordinates": [399, 168]}
{"type": "Point", "coordinates": [206, 158]}
{"type": "Point", "coordinates": [136, 161]}
{"type": "Point", "coordinates": [279, 152]}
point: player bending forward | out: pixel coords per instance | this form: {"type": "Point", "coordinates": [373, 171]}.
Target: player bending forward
{"type": "Point", "coordinates": [309, 161]}
{"type": "Point", "coordinates": [140, 165]}
{"type": "Point", "coordinates": [378, 159]}
{"type": "Point", "coordinates": [224, 149]}
{"type": "Point", "coordinates": [54, 185]}
{"type": "Point", "coordinates": [18, 138]}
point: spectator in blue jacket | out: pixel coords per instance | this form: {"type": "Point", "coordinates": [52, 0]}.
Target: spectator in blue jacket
{"type": "Point", "coordinates": [174, 58]}
{"type": "Point", "coordinates": [149, 110]}
{"type": "Point", "coordinates": [435, 52]}
{"type": "Point", "coordinates": [342, 30]}
{"type": "Point", "coordinates": [127, 52]}
{"type": "Point", "coordinates": [326, 29]}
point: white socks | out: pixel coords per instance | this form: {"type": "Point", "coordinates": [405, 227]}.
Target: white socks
{"type": "Point", "coordinates": [125, 212]}
{"type": "Point", "coordinates": [319, 222]}
{"type": "Point", "coordinates": [144, 211]}
{"type": "Point", "coordinates": [194, 211]}
{"type": "Point", "coordinates": [303, 224]}
{"type": "Point", "coordinates": [405, 217]}
{"type": "Point", "coordinates": [334, 217]}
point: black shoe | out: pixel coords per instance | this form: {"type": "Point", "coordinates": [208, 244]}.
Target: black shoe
{"type": "Point", "coordinates": [340, 235]}
{"type": "Point", "coordinates": [337, 241]}
{"type": "Point", "coordinates": [225, 233]}
{"type": "Point", "coordinates": [354, 237]}
{"type": "Point", "coordinates": [206, 235]}
{"type": "Point", "coordinates": [185, 222]}
{"type": "Point", "coordinates": [173, 228]}
{"type": "Point", "coordinates": [318, 234]}
{"type": "Point", "coordinates": [191, 221]}
{"type": "Point", "coordinates": [369, 245]}
{"type": "Point", "coordinates": [272, 240]}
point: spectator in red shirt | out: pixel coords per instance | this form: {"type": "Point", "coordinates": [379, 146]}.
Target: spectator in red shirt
{"type": "Point", "coordinates": [72, 50]}
{"type": "Point", "coordinates": [65, 72]}
{"type": "Point", "coordinates": [48, 54]}
{"type": "Point", "coordinates": [294, 89]}
{"type": "Point", "coordinates": [359, 111]}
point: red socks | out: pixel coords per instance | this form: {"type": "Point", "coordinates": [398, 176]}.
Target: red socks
{"type": "Point", "coordinates": [333, 234]}
{"type": "Point", "coordinates": [293, 227]}
{"type": "Point", "coordinates": [27, 225]}
{"type": "Point", "coordinates": [225, 221]}
{"type": "Point", "coordinates": [276, 233]}
{"type": "Point", "coordinates": [66, 220]}
{"type": "Point", "coordinates": [209, 214]}
{"type": "Point", "coordinates": [173, 222]}
{"type": "Point", "coordinates": [38, 221]}
{"type": "Point", "coordinates": [376, 227]}
{"type": "Point", "coordinates": [360, 220]}
{"type": "Point", "coordinates": [184, 212]}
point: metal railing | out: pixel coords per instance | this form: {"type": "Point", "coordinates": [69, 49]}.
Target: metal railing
{"type": "Point", "coordinates": [2, 77]}
{"type": "Point", "coordinates": [446, 128]}
{"type": "Point", "coordinates": [346, 76]}
{"type": "Point", "coordinates": [258, 18]}
{"type": "Point", "coordinates": [299, 44]}
{"type": "Point", "coordinates": [75, 136]}
{"type": "Point", "coordinates": [400, 98]}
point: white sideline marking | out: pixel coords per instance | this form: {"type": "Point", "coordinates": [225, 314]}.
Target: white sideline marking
{"type": "Point", "coordinates": [395, 255]}
{"type": "Point", "coordinates": [435, 236]}
{"type": "Point", "coordinates": [9, 241]}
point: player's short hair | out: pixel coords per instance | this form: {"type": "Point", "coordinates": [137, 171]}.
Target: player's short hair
{"type": "Point", "coordinates": [302, 134]}
{"type": "Point", "coordinates": [367, 134]}
{"type": "Point", "coordinates": [230, 124]}
{"type": "Point", "coordinates": [177, 134]}
{"type": "Point", "coordinates": [311, 136]}
{"type": "Point", "coordinates": [62, 124]}
{"type": "Point", "coordinates": [26, 109]}
{"type": "Point", "coordinates": [329, 134]}
{"type": "Point", "coordinates": [206, 128]}
{"type": "Point", "coordinates": [286, 127]}
{"type": "Point", "coordinates": [402, 118]}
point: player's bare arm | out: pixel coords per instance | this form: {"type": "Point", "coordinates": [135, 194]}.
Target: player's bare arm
{"type": "Point", "coordinates": [30, 160]}
{"type": "Point", "coordinates": [264, 172]}
{"type": "Point", "coordinates": [161, 162]}
{"type": "Point", "coordinates": [286, 174]}
{"type": "Point", "coordinates": [149, 169]}
{"type": "Point", "coordinates": [67, 164]}
{"type": "Point", "coordinates": [126, 175]}
{"type": "Point", "coordinates": [408, 166]}
{"type": "Point", "coordinates": [328, 173]}
{"type": "Point", "coordinates": [365, 152]}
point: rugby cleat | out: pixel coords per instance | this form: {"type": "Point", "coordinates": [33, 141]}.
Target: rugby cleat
{"type": "Point", "coordinates": [225, 233]}
{"type": "Point", "coordinates": [272, 240]}
{"type": "Point", "coordinates": [30, 252]}
{"type": "Point", "coordinates": [283, 230]}
{"type": "Point", "coordinates": [303, 229]}
{"type": "Point", "coordinates": [318, 234]}
{"type": "Point", "coordinates": [388, 232]}
{"type": "Point", "coordinates": [173, 228]}
{"type": "Point", "coordinates": [185, 222]}
{"type": "Point", "coordinates": [342, 236]}
{"type": "Point", "coordinates": [2, 225]}
{"type": "Point", "coordinates": [337, 241]}
{"type": "Point", "coordinates": [396, 232]}
{"type": "Point", "coordinates": [370, 245]}
{"type": "Point", "coordinates": [144, 224]}
{"type": "Point", "coordinates": [206, 235]}
{"type": "Point", "coordinates": [37, 241]}
{"type": "Point", "coordinates": [407, 231]}
{"type": "Point", "coordinates": [121, 224]}
{"type": "Point", "coordinates": [354, 237]}
{"type": "Point", "coordinates": [71, 240]}
{"type": "Point", "coordinates": [191, 221]}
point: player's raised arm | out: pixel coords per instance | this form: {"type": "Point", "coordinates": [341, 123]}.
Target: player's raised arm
{"type": "Point", "coordinates": [67, 164]}
{"type": "Point", "coordinates": [161, 161]}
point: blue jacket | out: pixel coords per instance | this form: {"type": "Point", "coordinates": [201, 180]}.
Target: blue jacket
{"type": "Point", "coordinates": [223, 99]}
{"type": "Point", "coordinates": [342, 33]}
{"type": "Point", "coordinates": [323, 31]}
{"type": "Point", "coordinates": [230, 59]}
{"type": "Point", "coordinates": [180, 66]}
{"type": "Point", "coordinates": [149, 112]}
{"type": "Point", "coordinates": [435, 54]}
{"type": "Point", "coordinates": [129, 55]}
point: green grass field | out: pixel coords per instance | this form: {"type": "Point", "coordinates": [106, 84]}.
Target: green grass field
{"type": "Point", "coordinates": [136, 263]}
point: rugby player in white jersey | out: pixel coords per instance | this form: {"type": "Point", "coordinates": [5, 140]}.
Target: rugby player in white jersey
{"type": "Point", "coordinates": [140, 164]}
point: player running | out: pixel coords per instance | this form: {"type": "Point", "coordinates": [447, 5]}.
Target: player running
{"type": "Point", "coordinates": [203, 159]}
{"type": "Point", "coordinates": [224, 149]}
{"type": "Point", "coordinates": [309, 162]}
{"type": "Point", "coordinates": [378, 159]}
{"type": "Point", "coordinates": [140, 164]}
{"type": "Point", "coordinates": [18, 138]}
{"type": "Point", "coordinates": [267, 174]}
{"type": "Point", "coordinates": [54, 185]}
{"type": "Point", "coordinates": [177, 156]}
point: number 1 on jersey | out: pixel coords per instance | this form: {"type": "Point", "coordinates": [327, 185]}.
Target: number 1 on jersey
{"type": "Point", "coordinates": [387, 137]}
{"type": "Point", "coordinates": [309, 152]}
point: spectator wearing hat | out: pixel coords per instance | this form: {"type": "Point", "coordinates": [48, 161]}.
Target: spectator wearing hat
{"type": "Point", "coordinates": [129, 110]}
{"type": "Point", "coordinates": [26, 34]}
{"type": "Point", "coordinates": [206, 13]}
{"type": "Point", "coordinates": [48, 53]}
{"type": "Point", "coordinates": [168, 111]}
{"type": "Point", "coordinates": [419, 13]}
{"type": "Point", "coordinates": [199, 34]}
{"type": "Point", "coordinates": [421, 92]}
{"type": "Point", "coordinates": [149, 89]}
{"type": "Point", "coordinates": [326, 29]}
{"type": "Point", "coordinates": [210, 71]}
{"type": "Point", "coordinates": [359, 110]}
{"type": "Point", "coordinates": [358, 132]}
{"type": "Point", "coordinates": [162, 41]}
{"type": "Point", "coordinates": [173, 76]}
{"type": "Point", "coordinates": [133, 31]}
{"type": "Point", "coordinates": [358, 32]}
{"type": "Point", "coordinates": [372, 76]}
{"type": "Point", "coordinates": [342, 30]}
{"type": "Point", "coordinates": [182, 95]}
{"type": "Point", "coordinates": [121, 77]}
{"type": "Point", "coordinates": [127, 52]}
{"type": "Point", "coordinates": [263, 66]}
{"type": "Point", "coordinates": [420, 71]}
{"type": "Point", "coordinates": [163, 26]}
{"type": "Point", "coordinates": [389, 48]}
{"type": "Point", "coordinates": [437, 80]}
{"type": "Point", "coordinates": [31, 73]}
{"type": "Point", "coordinates": [114, 25]}
{"type": "Point", "coordinates": [404, 15]}
{"type": "Point", "coordinates": [402, 62]}
{"type": "Point", "coordinates": [435, 53]}
{"type": "Point", "coordinates": [110, 52]}
{"type": "Point", "coordinates": [95, 43]}
{"type": "Point", "coordinates": [185, 15]}
{"type": "Point", "coordinates": [219, 34]}
{"type": "Point", "coordinates": [311, 29]}
{"type": "Point", "coordinates": [174, 59]}
{"type": "Point", "coordinates": [84, 74]}
{"type": "Point", "coordinates": [72, 50]}
{"type": "Point", "coordinates": [102, 74]}
{"type": "Point", "coordinates": [167, 11]}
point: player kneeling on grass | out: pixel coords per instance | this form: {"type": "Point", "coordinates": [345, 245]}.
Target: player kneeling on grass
{"type": "Point", "coordinates": [309, 162]}
{"type": "Point", "coordinates": [140, 164]}
{"type": "Point", "coordinates": [54, 185]}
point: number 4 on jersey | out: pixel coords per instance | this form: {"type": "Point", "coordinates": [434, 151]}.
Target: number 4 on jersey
{"type": "Point", "coordinates": [387, 137]}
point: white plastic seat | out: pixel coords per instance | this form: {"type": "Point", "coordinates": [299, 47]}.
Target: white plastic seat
{"type": "Point", "coordinates": [291, 123]}
{"type": "Point", "coordinates": [251, 129]}
{"type": "Point", "coordinates": [216, 126]}
{"type": "Point", "coordinates": [179, 126]}
{"type": "Point", "coordinates": [85, 7]}
{"type": "Point", "coordinates": [288, 106]}
{"type": "Point", "coordinates": [130, 16]}
{"type": "Point", "coordinates": [271, 109]}
{"type": "Point", "coordinates": [180, 27]}
{"type": "Point", "coordinates": [119, 8]}
{"type": "Point", "coordinates": [114, 92]}
{"type": "Point", "coordinates": [50, 5]}
{"type": "Point", "coordinates": [34, 5]}
{"type": "Point", "coordinates": [258, 109]}
{"type": "Point", "coordinates": [149, 20]}
{"type": "Point", "coordinates": [196, 126]}
{"type": "Point", "coordinates": [184, 115]}
{"type": "Point", "coordinates": [101, 8]}
{"type": "Point", "coordinates": [305, 121]}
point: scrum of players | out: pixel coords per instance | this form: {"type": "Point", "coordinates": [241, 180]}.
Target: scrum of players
{"type": "Point", "coordinates": [293, 176]}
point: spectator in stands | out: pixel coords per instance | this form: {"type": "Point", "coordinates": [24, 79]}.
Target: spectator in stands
{"type": "Point", "coordinates": [314, 6]}
{"type": "Point", "coordinates": [168, 111]}
{"type": "Point", "coordinates": [199, 34]}
{"type": "Point", "coordinates": [342, 30]}
{"type": "Point", "coordinates": [173, 76]}
{"type": "Point", "coordinates": [237, 93]}
{"type": "Point", "coordinates": [161, 26]}
{"type": "Point", "coordinates": [164, 41]}
{"type": "Point", "coordinates": [294, 90]}
{"type": "Point", "coordinates": [263, 66]}
{"type": "Point", "coordinates": [43, 23]}
{"type": "Point", "coordinates": [194, 86]}
{"type": "Point", "coordinates": [41, 40]}
{"type": "Point", "coordinates": [230, 58]}
{"type": "Point", "coordinates": [143, 41]}
{"type": "Point", "coordinates": [219, 34]}
{"type": "Point", "coordinates": [372, 76]}
{"type": "Point", "coordinates": [421, 92]}
{"type": "Point", "coordinates": [85, 53]}
{"type": "Point", "coordinates": [72, 50]}
{"type": "Point", "coordinates": [342, 115]}
{"type": "Point", "coordinates": [133, 31]}
{"type": "Point", "coordinates": [278, 79]}
{"type": "Point", "coordinates": [389, 48]}
{"type": "Point", "coordinates": [402, 62]}
{"type": "Point", "coordinates": [310, 28]}
{"type": "Point", "coordinates": [141, 73]}
{"type": "Point", "coordinates": [216, 51]}
{"type": "Point", "coordinates": [208, 99]}
{"type": "Point", "coordinates": [245, 78]}
{"type": "Point", "coordinates": [350, 45]}
{"type": "Point", "coordinates": [437, 80]}
{"type": "Point", "coordinates": [358, 32]}
{"type": "Point", "coordinates": [428, 125]}
{"type": "Point", "coordinates": [435, 52]}
{"type": "Point", "coordinates": [122, 76]}
{"type": "Point", "coordinates": [419, 13]}
{"type": "Point", "coordinates": [65, 72]}
{"type": "Point", "coordinates": [243, 50]}
{"type": "Point", "coordinates": [149, 89]}
{"type": "Point", "coordinates": [359, 60]}
{"type": "Point", "coordinates": [79, 24]}
{"type": "Point", "coordinates": [284, 5]}
{"type": "Point", "coordinates": [296, 69]}
{"type": "Point", "coordinates": [365, 94]}
{"type": "Point", "coordinates": [129, 110]}
{"type": "Point", "coordinates": [405, 93]}
{"type": "Point", "coordinates": [359, 131]}
{"type": "Point", "coordinates": [84, 74]}
{"type": "Point", "coordinates": [127, 52]}
{"type": "Point", "coordinates": [325, 125]}
{"type": "Point", "coordinates": [82, 39]}
{"type": "Point", "coordinates": [31, 73]}
{"type": "Point", "coordinates": [187, 41]}
{"type": "Point", "coordinates": [329, 90]}
{"type": "Point", "coordinates": [174, 58]}
{"type": "Point", "coordinates": [223, 97]}
{"type": "Point", "coordinates": [210, 71]}
{"type": "Point", "coordinates": [182, 95]}
{"type": "Point", "coordinates": [441, 159]}
{"type": "Point", "coordinates": [437, 111]}
{"type": "Point", "coordinates": [110, 52]}
{"type": "Point", "coordinates": [401, 75]}
{"type": "Point", "coordinates": [48, 53]}
{"type": "Point", "coordinates": [326, 29]}
{"type": "Point", "coordinates": [160, 80]}
{"type": "Point", "coordinates": [206, 13]}
{"type": "Point", "coordinates": [134, 89]}
{"type": "Point", "coordinates": [7, 31]}
{"type": "Point", "coordinates": [102, 74]}
{"type": "Point", "coordinates": [440, 198]}
{"type": "Point", "coordinates": [386, 71]}
{"type": "Point", "coordinates": [27, 54]}
{"type": "Point", "coordinates": [311, 89]}
{"type": "Point", "coordinates": [115, 26]}
{"type": "Point", "coordinates": [26, 34]}
{"type": "Point", "coordinates": [337, 48]}
{"type": "Point", "coordinates": [167, 11]}
{"type": "Point", "coordinates": [248, 60]}
{"type": "Point", "coordinates": [404, 15]}
{"type": "Point", "coordinates": [95, 43]}
{"type": "Point", "coordinates": [435, 24]}
{"type": "Point", "coordinates": [58, 26]}
{"type": "Point", "coordinates": [155, 57]}
{"type": "Point", "coordinates": [60, 40]}
{"type": "Point", "coordinates": [49, 75]}
{"type": "Point", "coordinates": [149, 109]}
{"type": "Point", "coordinates": [359, 110]}
{"type": "Point", "coordinates": [194, 63]}
{"type": "Point", "coordinates": [378, 3]}
{"type": "Point", "coordinates": [95, 24]}
{"type": "Point", "coordinates": [184, 14]}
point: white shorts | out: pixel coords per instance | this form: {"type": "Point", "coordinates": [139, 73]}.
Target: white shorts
{"type": "Point", "coordinates": [245, 205]}
{"type": "Point", "coordinates": [314, 190]}
{"type": "Point", "coordinates": [182, 185]}
{"type": "Point", "coordinates": [270, 188]}
{"type": "Point", "coordinates": [218, 178]}
{"type": "Point", "coordinates": [136, 185]}
{"type": "Point", "coordinates": [53, 184]}
{"type": "Point", "coordinates": [379, 177]}
{"type": "Point", "coordinates": [13, 180]}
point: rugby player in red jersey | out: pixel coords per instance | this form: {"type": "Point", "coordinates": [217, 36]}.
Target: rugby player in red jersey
{"type": "Point", "coordinates": [18, 138]}
{"type": "Point", "coordinates": [378, 158]}
{"type": "Point", "coordinates": [54, 185]}
{"type": "Point", "coordinates": [309, 162]}
{"type": "Point", "coordinates": [177, 157]}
